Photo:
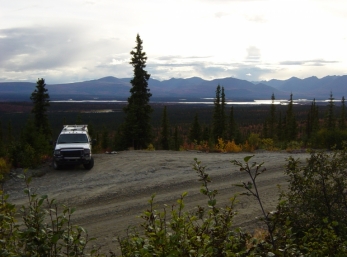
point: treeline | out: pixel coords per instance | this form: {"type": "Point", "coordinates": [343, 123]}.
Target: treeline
{"type": "Point", "coordinates": [258, 125]}
{"type": "Point", "coordinates": [248, 128]}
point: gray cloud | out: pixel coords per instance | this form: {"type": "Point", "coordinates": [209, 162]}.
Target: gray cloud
{"type": "Point", "coordinates": [42, 48]}
{"type": "Point", "coordinates": [178, 57]}
{"type": "Point", "coordinates": [221, 14]}
{"type": "Point", "coordinates": [253, 54]}
{"type": "Point", "coordinates": [256, 18]}
{"type": "Point", "coordinates": [208, 70]}
{"type": "Point", "coordinates": [57, 53]}
{"type": "Point", "coordinates": [316, 62]}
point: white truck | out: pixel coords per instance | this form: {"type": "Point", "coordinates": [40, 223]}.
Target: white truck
{"type": "Point", "coordinates": [73, 147]}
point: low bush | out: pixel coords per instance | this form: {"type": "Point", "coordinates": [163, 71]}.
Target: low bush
{"type": "Point", "coordinates": [43, 231]}
{"type": "Point", "coordinates": [227, 146]}
{"type": "Point", "coordinates": [294, 146]}
{"type": "Point", "coordinates": [177, 232]}
{"type": "Point", "coordinates": [5, 167]}
{"type": "Point", "coordinates": [268, 144]}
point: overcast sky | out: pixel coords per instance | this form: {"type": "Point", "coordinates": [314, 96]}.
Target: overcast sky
{"type": "Point", "coordinates": [77, 40]}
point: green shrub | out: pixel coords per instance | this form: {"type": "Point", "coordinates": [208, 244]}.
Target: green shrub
{"type": "Point", "coordinates": [5, 167]}
{"type": "Point", "coordinates": [330, 139]}
{"type": "Point", "coordinates": [43, 231]}
{"type": "Point", "coordinates": [254, 140]}
{"type": "Point", "coordinates": [315, 204]}
{"type": "Point", "coordinates": [293, 145]}
{"type": "Point", "coordinates": [24, 155]}
{"type": "Point", "coordinates": [176, 232]}
{"type": "Point", "coordinates": [268, 144]}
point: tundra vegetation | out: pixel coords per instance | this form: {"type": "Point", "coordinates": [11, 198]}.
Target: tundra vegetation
{"type": "Point", "coordinates": [310, 218]}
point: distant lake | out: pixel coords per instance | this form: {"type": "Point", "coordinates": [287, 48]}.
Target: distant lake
{"type": "Point", "coordinates": [204, 101]}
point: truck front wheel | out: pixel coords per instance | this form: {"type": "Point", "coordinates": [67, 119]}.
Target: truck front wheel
{"type": "Point", "coordinates": [89, 165]}
{"type": "Point", "coordinates": [56, 166]}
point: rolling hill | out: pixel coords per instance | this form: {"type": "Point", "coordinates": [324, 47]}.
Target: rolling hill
{"type": "Point", "coordinates": [190, 88]}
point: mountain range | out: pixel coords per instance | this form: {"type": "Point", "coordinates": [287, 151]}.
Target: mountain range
{"type": "Point", "coordinates": [190, 88]}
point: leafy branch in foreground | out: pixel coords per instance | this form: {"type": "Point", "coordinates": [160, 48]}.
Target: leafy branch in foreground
{"type": "Point", "coordinates": [254, 170]}
{"type": "Point", "coordinates": [315, 204]}
{"type": "Point", "coordinates": [43, 232]}
{"type": "Point", "coordinates": [182, 233]}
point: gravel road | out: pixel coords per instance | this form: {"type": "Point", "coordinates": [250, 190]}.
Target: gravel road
{"type": "Point", "coordinates": [110, 197]}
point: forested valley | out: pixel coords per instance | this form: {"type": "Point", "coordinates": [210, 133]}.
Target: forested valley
{"type": "Point", "coordinates": [192, 123]}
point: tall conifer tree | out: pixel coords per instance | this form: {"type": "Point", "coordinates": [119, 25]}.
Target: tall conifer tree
{"type": "Point", "coordinates": [195, 130]}
{"type": "Point", "coordinates": [280, 129]}
{"type": "Point", "coordinates": [137, 130]}
{"type": "Point", "coordinates": [9, 132]}
{"type": "Point", "coordinates": [218, 123]}
{"type": "Point", "coordinates": [269, 127]}
{"type": "Point", "coordinates": [40, 99]}
{"type": "Point", "coordinates": [342, 120]}
{"type": "Point", "coordinates": [164, 131]}
{"type": "Point", "coordinates": [233, 130]}
{"type": "Point", "coordinates": [176, 140]}
{"type": "Point", "coordinates": [272, 118]}
{"type": "Point", "coordinates": [223, 115]}
{"type": "Point", "coordinates": [291, 126]}
{"type": "Point", "coordinates": [329, 115]}
{"type": "Point", "coordinates": [312, 124]}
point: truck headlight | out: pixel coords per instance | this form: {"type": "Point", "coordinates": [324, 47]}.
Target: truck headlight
{"type": "Point", "coordinates": [86, 151]}
{"type": "Point", "coordinates": [56, 152]}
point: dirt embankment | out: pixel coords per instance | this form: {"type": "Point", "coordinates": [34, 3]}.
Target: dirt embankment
{"type": "Point", "coordinates": [110, 197]}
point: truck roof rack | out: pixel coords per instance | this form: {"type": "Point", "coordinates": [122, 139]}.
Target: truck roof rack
{"type": "Point", "coordinates": [75, 128]}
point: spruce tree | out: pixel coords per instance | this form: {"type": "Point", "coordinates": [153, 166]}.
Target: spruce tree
{"type": "Point", "coordinates": [9, 132]}
{"type": "Point", "coordinates": [40, 99]}
{"type": "Point", "coordinates": [1, 135]}
{"type": "Point", "coordinates": [280, 129]}
{"type": "Point", "coordinates": [329, 115]}
{"type": "Point", "coordinates": [291, 126]}
{"type": "Point", "coordinates": [195, 130]}
{"type": "Point", "coordinates": [164, 131]}
{"type": "Point", "coordinates": [218, 124]}
{"type": "Point", "coordinates": [2, 148]}
{"type": "Point", "coordinates": [137, 130]}
{"type": "Point", "coordinates": [233, 130]}
{"type": "Point", "coordinates": [312, 124]}
{"type": "Point", "coordinates": [272, 118]}
{"type": "Point", "coordinates": [223, 115]}
{"type": "Point", "coordinates": [205, 134]}
{"type": "Point", "coordinates": [176, 140]}
{"type": "Point", "coordinates": [342, 120]}
{"type": "Point", "coordinates": [269, 126]}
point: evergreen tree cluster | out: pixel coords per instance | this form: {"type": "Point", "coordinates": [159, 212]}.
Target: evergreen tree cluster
{"type": "Point", "coordinates": [31, 145]}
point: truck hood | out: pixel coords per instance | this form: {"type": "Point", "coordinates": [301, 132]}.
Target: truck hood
{"type": "Point", "coordinates": [75, 146]}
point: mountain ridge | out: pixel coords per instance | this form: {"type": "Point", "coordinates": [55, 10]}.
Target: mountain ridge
{"type": "Point", "coordinates": [194, 87]}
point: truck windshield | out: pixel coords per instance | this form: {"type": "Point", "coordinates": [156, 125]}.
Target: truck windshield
{"type": "Point", "coordinates": [72, 138]}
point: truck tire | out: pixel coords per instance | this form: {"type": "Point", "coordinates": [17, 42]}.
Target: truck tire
{"type": "Point", "coordinates": [89, 165]}
{"type": "Point", "coordinates": [56, 166]}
